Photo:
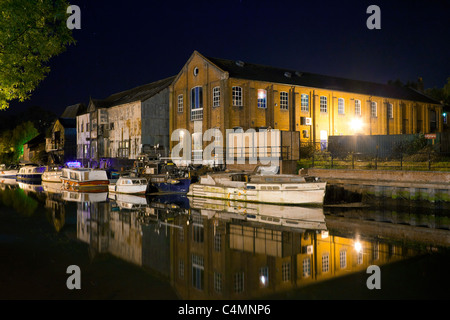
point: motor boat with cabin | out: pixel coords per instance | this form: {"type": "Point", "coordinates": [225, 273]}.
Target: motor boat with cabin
{"type": "Point", "coordinates": [9, 172]}
{"type": "Point", "coordinates": [52, 174]}
{"type": "Point", "coordinates": [84, 179]}
{"type": "Point", "coordinates": [129, 185]}
{"type": "Point", "coordinates": [30, 174]}
{"type": "Point", "coordinates": [280, 189]}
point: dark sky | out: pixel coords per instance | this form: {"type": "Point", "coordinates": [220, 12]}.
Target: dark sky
{"type": "Point", "coordinates": [123, 44]}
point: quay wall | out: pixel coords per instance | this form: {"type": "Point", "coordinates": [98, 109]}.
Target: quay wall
{"type": "Point", "coordinates": [373, 185]}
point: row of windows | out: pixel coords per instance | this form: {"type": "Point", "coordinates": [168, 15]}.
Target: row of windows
{"type": "Point", "coordinates": [237, 100]}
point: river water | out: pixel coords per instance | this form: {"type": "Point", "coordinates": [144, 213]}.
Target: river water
{"type": "Point", "coordinates": [170, 247]}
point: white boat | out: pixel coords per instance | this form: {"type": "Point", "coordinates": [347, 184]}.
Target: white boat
{"type": "Point", "coordinates": [279, 189]}
{"type": "Point", "coordinates": [8, 172]}
{"type": "Point", "coordinates": [30, 173]}
{"type": "Point", "coordinates": [129, 185]}
{"type": "Point", "coordinates": [297, 217]}
{"type": "Point", "coordinates": [73, 196]}
{"type": "Point", "coordinates": [84, 179]}
{"type": "Point", "coordinates": [52, 174]}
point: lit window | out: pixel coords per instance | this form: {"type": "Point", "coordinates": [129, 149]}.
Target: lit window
{"type": "Point", "coordinates": [237, 96]}
{"type": "Point", "coordinates": [264, 276]}
{"type": "Point", "coordinates": [305, 103]}
{"type": "Point", "coordinates": [216, 96]}
{"type": "Point", "coordinates": [197, 103]}
{"type": "Point", "coordinates": [262, 98]}
{"type": "Point", "coordinates": [323, 104]}
{"type": "Point", "coordinates": [284, 100]}
{"type": "Point", "coordinates": [341, 106]}
{"type": "Point", "coordinates": [180, 103]}
{"type": "Point", "coordinates": [373, 109]}
{"type": "Point", "coordinates": [358, 107]}
{"type": "Point", "coordinates": [390, 110]}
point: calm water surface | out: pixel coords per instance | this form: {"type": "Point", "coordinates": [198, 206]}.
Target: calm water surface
{"type": "Point", "coordinates": [171, 247]}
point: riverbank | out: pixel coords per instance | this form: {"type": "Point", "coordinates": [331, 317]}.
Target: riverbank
{"type": "Point", "coordinates": [389, 186]}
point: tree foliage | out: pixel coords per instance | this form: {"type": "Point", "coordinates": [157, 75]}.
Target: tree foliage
{"type": "Point", "coordinates": [31, 32]}
{"type": "Point", "coordinates": [12, 142]}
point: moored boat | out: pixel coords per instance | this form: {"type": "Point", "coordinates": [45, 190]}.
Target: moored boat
{"type": "Point", "coordinates": [129, 185]}
{"type": "Point", "coordinates": [166, 183]}
{"type": "Point", "coordinates": [84, 179]}
{"type": "Point", "coordinates": [52, 174]}
{"type": "Point", "coordinates": [273, 189]}
{"type": "Point", "coordinates": [30, 173]}
{"type": "Point", "coordinates": [8, 172]}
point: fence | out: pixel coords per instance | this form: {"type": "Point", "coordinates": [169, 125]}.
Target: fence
{"type": "Point", "coordinates": [421, 161]}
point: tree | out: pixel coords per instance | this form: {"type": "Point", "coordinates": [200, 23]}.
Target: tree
{"type": "Point", "coordinates": [12, 142]}
{"type": "Point", "coordinates": [31, 32]}
{"type": "Point", "coordinates": [441, 94]}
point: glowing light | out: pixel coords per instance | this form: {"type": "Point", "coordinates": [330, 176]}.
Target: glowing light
{"type": "Point", "coordinates": [261, 94]}
{"type": "Point", "coordinates": [263, 280]}
{"type": "Point", "coordinates": [358, 246]}
{"type": "Point", "coordinates": [356, 124]}
{"type": "Point", "coordinates": [73, 164]}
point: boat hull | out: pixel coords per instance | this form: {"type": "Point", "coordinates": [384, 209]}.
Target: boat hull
{"type": "Point", "coordinates": [52, 176]}
{"type": "Point", "coordinates": [305, 194]}
{"type": "Point", "coordinates": [92, 186]}
{"type": "Point", "coordinates": [140, 189]}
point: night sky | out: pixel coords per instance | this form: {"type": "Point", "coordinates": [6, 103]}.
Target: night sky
{"type": "Point", "coordinates": [124, 44]}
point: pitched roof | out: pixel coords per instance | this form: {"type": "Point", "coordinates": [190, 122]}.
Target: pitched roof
{"type": "Point", "coordinates": [140, 93]}
{"type": "Point", "coordinates": [250, 71]}
{"type": "Point", "coordinates": [73, 110]}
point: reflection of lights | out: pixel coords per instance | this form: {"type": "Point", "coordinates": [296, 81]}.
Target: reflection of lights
{"type": "Point", "coordinates": [356, 124]}
{"type": "Point", "coordinates": [358, 246]}
{"type": "Point", "coordinates": [263, 280]}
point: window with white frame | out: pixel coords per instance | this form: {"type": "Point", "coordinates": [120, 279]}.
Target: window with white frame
{"type": "Point", "coordinates": [305, 102]}
{"type": "Point", "coordinates": [180, 103]}
{"type": "Point", "coordinates": [236, 93]}
{"type": "Point", "coordinates": [306, 267]}
{"type": "Point", "coordinates": [262, 99]}
{"type": "Point", "coordinates": [390, 111]}
{"type": "Point", "coordinates": [358, 107]}
{"type": "Point", "coordinates": [325, 263]}
{"type": "Point", "coordinates": [286, 271]}
{"type": "Point", "coordinates": [323, 104]}
{"type": "Point", "coordinates": [216, 97]}
{"type": "Point", "coordinates": [284, 100]}
{"type": "Point", "coordinates": [239, 282]}
{"type": "Point", "coordinates": [341, 106]}
{"type": "Point", "coordinates": [198, 271]}
{"type": "Point", "coordinates": [217, 282]}
{"type": "Point", "coordinates": [264, 276]}
{"type": "Point", "coordinates": [342, 259]}
{"type": "Point", "coordinates": [197, 103]}
{"type": "Point", "coordinates": [373, 109]}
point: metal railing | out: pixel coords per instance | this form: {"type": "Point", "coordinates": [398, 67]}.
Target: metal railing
{"type": "Point", "coordinates": [421, 161]}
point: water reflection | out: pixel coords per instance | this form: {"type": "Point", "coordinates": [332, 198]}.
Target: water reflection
{"type": "Point", "coordinates": [214, 249]}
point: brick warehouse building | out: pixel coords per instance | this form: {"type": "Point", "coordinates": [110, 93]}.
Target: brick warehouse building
{"type": "Point", "coordinates": [225, 94]}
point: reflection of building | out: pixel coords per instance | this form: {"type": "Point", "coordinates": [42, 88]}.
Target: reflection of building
{"type": "Point", "coordinates": [230, 258]}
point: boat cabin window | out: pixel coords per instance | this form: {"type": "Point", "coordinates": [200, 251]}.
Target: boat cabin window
{"type": "Point", "coordinates": [239, 177]}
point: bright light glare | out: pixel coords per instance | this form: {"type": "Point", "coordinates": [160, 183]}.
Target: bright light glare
{"type": "Point", "coordinates": [262, 280]}
{"type": "Point", "coordinates": [358, 246]}
{"type": "Point", "coordinates": [356, 124]}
